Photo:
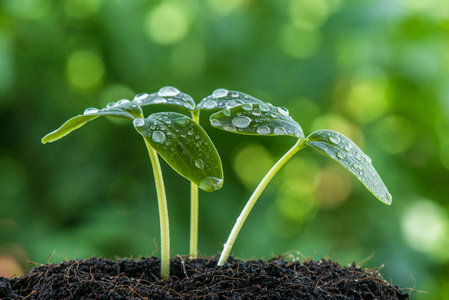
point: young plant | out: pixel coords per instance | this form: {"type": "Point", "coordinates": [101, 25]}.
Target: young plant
{"type": "Point", "coordinates": [243, 114]}
{"type": "Point", "coordinates": [179, 140]}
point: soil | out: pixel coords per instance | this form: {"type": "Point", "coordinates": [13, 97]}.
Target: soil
{"type": "Point", "coordinates": [99, 278]}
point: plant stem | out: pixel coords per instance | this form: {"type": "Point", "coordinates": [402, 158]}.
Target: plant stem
{"type": "Point", "coordinates": [163, 212]}
{"type": "Point", "coordinates": [194, 206]}
{"type": "Point", "coordinates": [249, 205]}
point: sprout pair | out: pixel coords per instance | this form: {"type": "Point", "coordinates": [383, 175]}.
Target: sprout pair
{"type": "Point", "coordinates": [186, 147]}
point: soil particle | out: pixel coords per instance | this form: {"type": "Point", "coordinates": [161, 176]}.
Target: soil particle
{"type": "Point", "coordinates": [99, 278]}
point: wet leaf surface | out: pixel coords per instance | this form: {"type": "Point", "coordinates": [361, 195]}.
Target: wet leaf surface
{"type": "Point", "coordinates": [257, 119]}
{"type": "Point", "coordinates": [343, 150]}
{"type": "Point", "coordinates": [185, 146]}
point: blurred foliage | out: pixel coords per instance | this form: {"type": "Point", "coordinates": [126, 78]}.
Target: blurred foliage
{"type": "Point", "coordinates": [377, 71]}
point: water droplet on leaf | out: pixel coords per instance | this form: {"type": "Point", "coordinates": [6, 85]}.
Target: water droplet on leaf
{"type": "Point", "coordinates": [215, 123]}
{"type": "Point", "coordinates": [280, 131]}
{"type": "Point", "coordinates": [168, 91]}
{"type": "Point", "coordinates": [139, 122]}
{"type": "Point", "coordinates": [241, 122]}
{"type": "Point", "coordinates": [263, 107]}
{"type": "Point", "coordinates": [282, 111]}
{"type": "Point", "coordinates": [158, 136]}
{"type": "Point", "coordinates": [335, 139]}
{"type": "Point", "coordinates": [140, 97]}
{"type": "Point", "coordinates": [263, 130]}
{"type": "Point", "coordinates": [257, 112]}
{"type": "Point", "coordinates": [247, 106]}
{"type": "Point", "coordinates": [210, 104]}
{"type": "Point", "coordinates": [122, 101]}
{"type": "Point", "coordinates": [229, 127]}
{"type": "Point", "coordinates": [220, 93]}
{"type": "Point", "coordinates": [341, 154]}
{"type": "Point", "coordinates": [210, 184]}
{"type": "Point", "coordinates": [199, 164]}
{"type": "Point", "coordinates": [90, 110]}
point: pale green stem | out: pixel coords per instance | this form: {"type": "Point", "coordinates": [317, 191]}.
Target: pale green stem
{"type": "Point", "coordinates": [194, 207]}
{"type": "Point", "coordinates": [249, 205]}
{"type": "Point", "coordinates": [163, 212]}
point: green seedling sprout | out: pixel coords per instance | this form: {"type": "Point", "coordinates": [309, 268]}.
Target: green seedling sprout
{"type": "Point", "coordinates": [244, 114]}
{"type": "Point", "coordinates": [178, 139]}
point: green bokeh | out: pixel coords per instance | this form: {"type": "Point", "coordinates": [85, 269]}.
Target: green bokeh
{"type": "Point", "coordinates": [377, 71]}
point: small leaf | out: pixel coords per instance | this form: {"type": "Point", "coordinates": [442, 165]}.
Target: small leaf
{"type": "Point", "coordinates": [124, 109]}
{"type": "Point", "coordinates": [185, 146]}
{"type": "Point", "coordinates": [343, 150]}
{"type": "Point", "coordinates": [166, 95]}
{"type": "Point", "coordinates": [222, 98]}
{"type": "Point", "coordinates": [257, 119]}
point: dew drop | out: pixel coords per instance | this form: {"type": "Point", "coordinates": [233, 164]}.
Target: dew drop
{"type": "Point", "coordinates": [241, 122]}
{"type": "Point", "coordinates": [280, 131]}
{"type": "Point", "coordinates": [335, 139]}
{"type": "Point", "coordinates": [199, 163]}
{"type": "Point", "coordinates": [168, 91]}
{"type": "Point", "coordinates": [159, 100]}
{"type": "Point", "coordinates": [90, 110]}
{"type": "Point", "coordinates": [140, 97]}
{"type": "Point", "coordinates": [181, 121]}
{"type": "Point", "coordinates": [229, 127]}
{"type": "Point", "coordinates": [158, 136]}
{"type": "Point", "coordinates": [348, 147]}
{"type": "Point", "coordinates": [210, 104]}
{"type": "Point", "coordinates": [215, 123]}
{"type": "Point", "coordinates": [220, 93]}
{"type": "Point", "coordinates": [226, 112]}
{"type": "Point", "coordinates": [122, 101]}
{"type": "Point", "coordinates": [111, 105]}
{"type": "Point", "coordinates": [263, 107]}
{"type": "Point", "coordinates": [234, 94]}
{"type": "Point", "coordinates": [341, 154]}
{"type": "Point", "coordinates": [233, 103]}
{"type": "Point", "coordinates": [247, 106]}
{"type": "Point", "coordinates": [139, 122]}
{"type": "Point", "coordinates": [283, 111]}
{"type": "Point", "coordinates": [257, 112]}
{"type": "Point", "coordinates": [274, 115]}
{"type": "Point", "coordinates": [210, 184]}
{"type": "Point", "coordinates": [368, 159]}
{"type": "Point", "coordinates": [263, 130]}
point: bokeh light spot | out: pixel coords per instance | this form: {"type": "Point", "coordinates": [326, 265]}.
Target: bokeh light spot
{"type": "Point", "coordinates": [167, 23]}
{"type": "Point", "coordinates": [81, 9]}
{"type": "Point", "coordinates": [333, 186]}
{"type": "Point", "coordinates": [366, 99]}
{"type": "Point", "coordinates": [425, 227]}
{"type": "Point", "coordinates": [251, 163]}
{"type": "Point", "coordinates": [299, 43]}
{"type": "Point", "coordinates": [308, 14]}
{"type": "Point", "coordinates": [395, 134]}
{"type": "Point", "coordinates": [224, 7]}
{"type": "Point", "coordinates": [85, 70]}
{"type": "Point", "coordinates": [340, 124]}
{"type": "Point", "coordinates": [29, 9]}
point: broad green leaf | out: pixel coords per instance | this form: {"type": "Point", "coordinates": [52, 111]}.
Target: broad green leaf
{"type": "Point", "coordinates": [222, 98]}
{"type": "Point", "coordinates": [185, 146]}
{"type": "Point", "coordinates": [257, 119]}
{"type": "Point", "coordinates": [343, 150]}
{"type": "Point", "coordinates": [166, 95]}
{"type": "Point", "coordinates": [124, 109]}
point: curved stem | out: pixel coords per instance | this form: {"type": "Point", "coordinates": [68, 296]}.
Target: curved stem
{"type": "Point", "coordinates": [194, 206]}
{"type": "Point", "coordinates": [163, 212]}
{"type": "Point", "coordinates": [249, 205]}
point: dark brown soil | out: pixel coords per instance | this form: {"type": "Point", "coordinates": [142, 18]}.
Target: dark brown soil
{"type": "Point", "coordinates": [99, 278]}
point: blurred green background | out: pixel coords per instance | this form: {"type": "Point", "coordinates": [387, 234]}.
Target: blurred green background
{"type": "Point", "coordinates": [376, 71]}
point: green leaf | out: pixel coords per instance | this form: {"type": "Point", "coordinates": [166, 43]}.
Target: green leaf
{"type": "Point", "coordinates": [343, 150]}
{"type": "Point", "coordinates": [185, 146]}
{"type": "Point", "coordinates": [166, 95]}
{"type": "Point", "coordinates": [257, 119]}
{"type": "Point", "coordinates": [222, 98]}
{"type": "Point", "coordinates": [124, 109]}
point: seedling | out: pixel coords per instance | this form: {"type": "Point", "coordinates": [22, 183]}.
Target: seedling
{"type": "Point", "coordinates": [187, 148]}
{"type": "Point", "coordinates": [244, 114]}
{"type": "Point", "coordinates": [178, 139]}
